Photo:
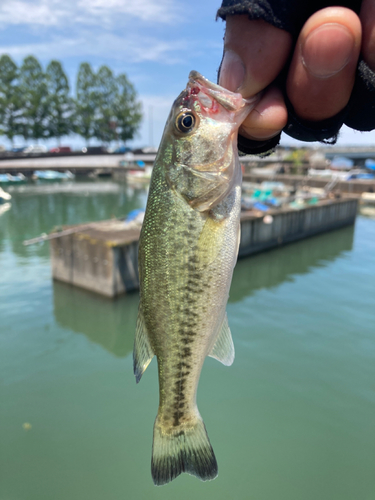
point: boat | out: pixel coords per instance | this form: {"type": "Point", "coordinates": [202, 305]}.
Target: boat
{"type": "Point", "coordinates": [52, 175]}
{"type": "Point", "coordinates": [4, 196]}
{"type": "Point", "coordinates": [12, 179]}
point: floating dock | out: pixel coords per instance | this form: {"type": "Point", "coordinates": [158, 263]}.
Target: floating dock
{"type": "Point", "coordinates": [352, 187]}
{"type": "Point", "coordinates": [103, 256]}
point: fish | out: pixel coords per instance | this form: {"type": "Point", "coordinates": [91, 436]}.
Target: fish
{"type": "Point", "coordinates": [187, 251]}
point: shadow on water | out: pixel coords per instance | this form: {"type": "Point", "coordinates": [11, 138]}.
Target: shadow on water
{"type": "Point", "coordinates": [106, 322]}
{"type": "Point", "coordinates": [272, 268]}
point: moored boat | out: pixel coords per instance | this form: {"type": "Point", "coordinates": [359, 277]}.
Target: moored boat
{"type": "Point", "coordinates": [52, 175]}
{"type": "Point", "coordinates": [4, 196]}
{"type": "Point", "coordinates": [12, 179]}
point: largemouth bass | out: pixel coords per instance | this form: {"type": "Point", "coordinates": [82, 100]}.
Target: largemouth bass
{"type": "Point", "coordinates": [187, 251]}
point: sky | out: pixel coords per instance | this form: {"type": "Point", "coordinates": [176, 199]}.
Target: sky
{"type": "Point", "coordinates": [155, 42]}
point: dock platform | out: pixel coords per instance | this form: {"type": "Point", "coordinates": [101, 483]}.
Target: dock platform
{"type": "Point", "coordinates": [352, 187]}
{"type": "Point", "coordinates": [103, 257]}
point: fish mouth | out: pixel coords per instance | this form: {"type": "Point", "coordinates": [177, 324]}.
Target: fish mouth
{"type": "Point", "coordinates": [231, 101]}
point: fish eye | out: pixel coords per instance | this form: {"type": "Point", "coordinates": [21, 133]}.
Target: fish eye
{"type": "Point", "coordinates": [185, 122]}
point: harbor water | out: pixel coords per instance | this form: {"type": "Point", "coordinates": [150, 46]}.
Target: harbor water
{"type": "Point", "coordinates": [292, 419]}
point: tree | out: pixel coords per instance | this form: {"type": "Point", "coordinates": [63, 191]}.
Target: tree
{"type": "Point", "coordinates": [105, 99]}
{"type": "Point", "coordinates": [85, 102]}
{"type": "Point", "coordinates": [34, 98]}
{"type": "Point", "coordinates": [10, 102]}
{"type": "Point", "coordinates": [60, 104]}
{"type": "Point", "coordinates": [128, 110]}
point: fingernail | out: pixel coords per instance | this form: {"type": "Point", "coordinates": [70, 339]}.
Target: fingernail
{"type": "Point", "coordinates": [327, 50]}
{"type": "Point", "coordinates": [232, 71]}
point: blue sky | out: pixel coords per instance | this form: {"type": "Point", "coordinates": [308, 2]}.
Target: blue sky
{"type": "Point", "coordinates": [155, 42]}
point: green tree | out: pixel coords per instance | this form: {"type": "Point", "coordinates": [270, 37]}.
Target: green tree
{"type": "Point", "coordinates": [128, 111]}
{"type": "Point", "coordinates": [10, 102]}
{"type": "Point", "coordinates": [85, 104]}
{"type": "Point", "coordinates": [60, 104]}
{"type": "Point", "coordinates": [34, 95]}
{"type": "Point", "coordinates": [106, 94]}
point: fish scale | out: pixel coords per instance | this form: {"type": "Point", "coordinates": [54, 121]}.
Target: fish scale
{"type": "Point", "coordinates": [187, 251]}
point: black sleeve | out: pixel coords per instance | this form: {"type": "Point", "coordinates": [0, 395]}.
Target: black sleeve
{"type": "Point", "coordinates": [290, 15]}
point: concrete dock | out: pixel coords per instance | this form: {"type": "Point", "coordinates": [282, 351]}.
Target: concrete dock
{"type": "Point", "coordinates": [78, 164]}
{"type": "Point", "coordinates": [103, 257]}
{"type": "Point", "coordinates": [354, 186]}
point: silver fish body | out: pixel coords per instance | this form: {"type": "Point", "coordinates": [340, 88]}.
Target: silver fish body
{"type": "Point", "coordinates": [187, 252]}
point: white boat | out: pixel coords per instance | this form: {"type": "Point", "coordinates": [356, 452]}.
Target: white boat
{"type": "Point", "coordinates": [4, 196]}
{"type": "Point", "coordinates": [52, 175]}
{"type": "Point", "coordinates": [12, 179]}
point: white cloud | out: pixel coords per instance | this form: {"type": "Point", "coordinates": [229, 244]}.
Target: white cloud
{"type": "Point", "coordinates": [146, 10]}
{"type": "Point", "coordinates": [22, 12]}
{"type": "Point", "coordinates": [106, 45]}
{"type": "Point", "coordinates": [57, 13]}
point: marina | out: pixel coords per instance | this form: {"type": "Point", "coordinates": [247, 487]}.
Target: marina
{"type": "Point", "coordinates": [300, 392]}
{"type": "Point", "coordinates": [273, 276]}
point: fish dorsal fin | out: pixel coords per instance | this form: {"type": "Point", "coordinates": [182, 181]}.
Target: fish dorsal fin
{"type": "Point", "coordinates": [143, 352]}
{"type": "Point", "coordinates": [223, 350]}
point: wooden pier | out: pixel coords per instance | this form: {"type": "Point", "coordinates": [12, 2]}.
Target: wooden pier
{"type": "Point", "coordinates": [103, 257]}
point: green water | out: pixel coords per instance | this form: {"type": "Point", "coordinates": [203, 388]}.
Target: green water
{"type": "Point", "coordinates": [292, 419]}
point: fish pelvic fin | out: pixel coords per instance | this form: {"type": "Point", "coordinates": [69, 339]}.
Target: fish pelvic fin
{"type": "Point", "coordinates": [142, 352]}
{"type": "Point", "coordinates": [184, 449]}
{"type": "Point", "coordinates": [223, 349]}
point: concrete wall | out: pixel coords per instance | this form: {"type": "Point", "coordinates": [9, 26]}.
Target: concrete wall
{"type": "Point", "coordinates": [291, 225]}
{"type": "Point", "coordinates": [95, 265]}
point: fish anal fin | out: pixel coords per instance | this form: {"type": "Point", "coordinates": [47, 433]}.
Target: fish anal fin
{"type": "Point", "coordinates": [223, 349]}
{"type": "Point", "coordinates": [142, 352]}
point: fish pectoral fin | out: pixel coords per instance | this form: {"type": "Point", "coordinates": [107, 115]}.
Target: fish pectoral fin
{"type": "Point", "coordinates": [210, 241]}
{"type": "Point", "coordinates": [223, 350]}
{"type": "Point", "coordinates": [142, 352]}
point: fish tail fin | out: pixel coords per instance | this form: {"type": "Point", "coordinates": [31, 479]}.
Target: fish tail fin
{"type": "Point", "coordinates": [183, 449]}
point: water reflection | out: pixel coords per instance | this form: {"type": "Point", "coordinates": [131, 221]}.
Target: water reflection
{"type": "Point", "coordinates": [109, 323]}
{"type": "Point", "coordinates": [272, 268]}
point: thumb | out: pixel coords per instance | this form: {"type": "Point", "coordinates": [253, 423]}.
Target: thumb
{"type": "Point", "coordinates": [254, 54]}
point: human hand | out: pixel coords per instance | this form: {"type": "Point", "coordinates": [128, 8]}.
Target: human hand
{"type": "Point", "coordinates": [322, 70]}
